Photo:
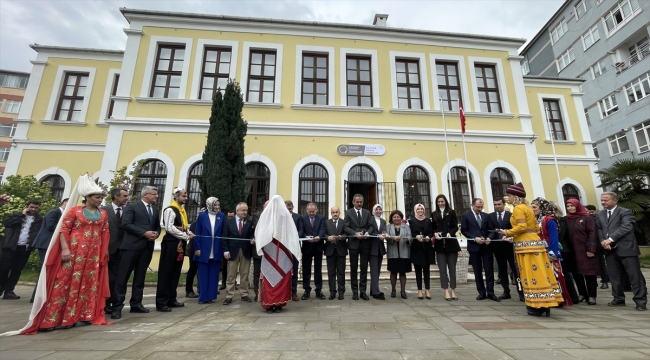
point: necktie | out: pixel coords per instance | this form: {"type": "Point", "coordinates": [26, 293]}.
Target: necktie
{"type": "Point", "coordinates": [500, 219]}
{"type": "Point", "coordinates": [335, 224]}
{"type": "Point", "coordinates": [311, 220]}
{"type": "Point", "coordinates": [609, 214]}
{"type": "Point", "coordinates": [119, 213]}
{"type": "Point", "coordinates": [150, 212]}
{"type": "Point", "coordinates": [359, 216]}
{"type": "Point", "coordinates": [478, 219]}
{"type": "Point", "coordinates": [240, 227]}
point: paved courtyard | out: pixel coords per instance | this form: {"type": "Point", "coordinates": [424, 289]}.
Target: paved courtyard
{"type": "Point", "coordinates": [341, 329]}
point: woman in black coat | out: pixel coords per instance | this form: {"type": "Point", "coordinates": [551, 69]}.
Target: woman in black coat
{"type": "Point", "coordinates": [422, 255]}
{"type": "Point", "coordinates": [445, 225]}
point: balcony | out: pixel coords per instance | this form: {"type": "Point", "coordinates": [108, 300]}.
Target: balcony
{"type": "Point", "coordinates": [640, 54]}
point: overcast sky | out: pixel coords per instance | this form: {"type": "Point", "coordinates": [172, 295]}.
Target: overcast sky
{"type": "Point", "coordinates": [99, 23]}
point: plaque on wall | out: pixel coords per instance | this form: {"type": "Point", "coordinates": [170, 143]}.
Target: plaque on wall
{"type": "Point", "coordinates": [361, 149]}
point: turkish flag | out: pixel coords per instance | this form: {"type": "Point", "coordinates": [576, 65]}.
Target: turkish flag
{"type": "Point", "coordinates": [462, 116]}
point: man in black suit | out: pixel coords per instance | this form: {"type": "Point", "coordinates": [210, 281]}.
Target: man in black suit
{"type": "Point", "coordinates": [358, 224]}
{"type": "Point", "coordinates": [312, 250]}
{"type": "Point", "coordinates": [238, 252]}
{"type": "Point", "coordinates": [616, 235]}
{"type": "Point", "coordinates": [503, 251]}
{"type": "Point", "coordinates": [114, 210]}
{"type": "Point", "coordinates": [297, 220]}
{"type": "Point", "coordinates": [141, 225]}
{"type": "Point", "coordinates": [473, 225]}
{"type": "Point", "coordinates": [336, 250]}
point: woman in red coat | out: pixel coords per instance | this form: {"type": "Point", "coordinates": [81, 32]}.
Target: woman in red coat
{"type": "Point", "coordinates": [583, 237]}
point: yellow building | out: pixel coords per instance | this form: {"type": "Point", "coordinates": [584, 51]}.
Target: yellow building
{"type": "Point", "coordinates": [313, 92]}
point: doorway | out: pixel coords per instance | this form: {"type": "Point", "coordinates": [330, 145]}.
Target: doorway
{"type": "Point", "coordinates": [361, 180]}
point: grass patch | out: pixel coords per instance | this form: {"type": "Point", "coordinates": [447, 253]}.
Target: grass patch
{"type": "Point", "coordinates": [151, 277]}
{"type": "Point", "coordinates": [645, 260]}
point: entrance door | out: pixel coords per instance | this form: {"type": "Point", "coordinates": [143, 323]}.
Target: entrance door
{"type": "Point", "coordinates": [362, 180]}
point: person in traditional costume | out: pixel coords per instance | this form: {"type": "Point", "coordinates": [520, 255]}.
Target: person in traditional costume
{"type": "Point", "coordinates": [207, 249]}
{"type": "Point", "coordinates": [73, 284]}
{"type": "Point", "coordinates": [276, 239]}
{"type": "Point", "coordinates": [541, 290]}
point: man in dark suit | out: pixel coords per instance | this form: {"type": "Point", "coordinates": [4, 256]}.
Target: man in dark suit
{"type": "Point", "coordinates": [141, 225]}
{"type": "Point", "coordinates": [473, 225]}
{"type": "Point", "coordinates": [238, 252]}
{"type": "Point", "coordinates": [114, 210]}
{"type": "Point", "coordinates": [336, 250]}
{"type": "Point", "coordinates": [312, 250]}
{"type": "Point", "coordinates": [616, 235]}
{"type": "Point", "coordinates": [358, 224]}
{"type": "Point", "coordinates": [297, 219]}
{"type": "Point", "coordinates": [503, 251]}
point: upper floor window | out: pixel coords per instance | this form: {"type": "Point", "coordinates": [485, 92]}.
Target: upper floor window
{"type": "Point", "coordinates": [261, 76]}
{"type": "Point", "coordinates": [639, 51]}
{"type": "Point", "coordinates": [569, 191]}
{"type": "Point", "coordinates": [14, 81]}
{"type": "Point", "coordinates": [4, 153]}
{"type": "Point", "coordinates": [525, 69]}
{"type": "Point", "coordinates": [448, 84]}
{"type": "Point", "coordinates": [590, 37]}
{"type": "Point", "coordinates": [314, 79]}
{"type": "Point", "coordinates": [619, 14]}
{"type": "Point", "coordinates": [608, 105]}
{"type": "Point", "coordinates": [168, 72]}
{"type": "Point", "coordinates": [12, 106]}
{"type": "Point", "coordinates": [642, 134]}
{"type": "Point", "coordinates": [558, 31]}
{"type": "Point", "coordinates": [554, 116]}
{"type": "Point", "coordinates": [599, 68]}
{"type": "Point", "coordinates": [618, 143]}
{"type": "Point", "coordinates": [488, 90]}
{"type": "Point", "coordinates": [72, 97]}
{"type": "Point", "coordinates": [595, 151]}
{"type": "Point", "coordinates": [56, 184]}
{"type": "Point", "coordinates": [409, 94]}
{"type": "Point", "coordinates": [111, 102]}
{"type": "Point", "coordinates": [581, 9]}
{"type": "Point", "coordinates": [359, 81]}
{"type": "Point", "coordinates": [215, 71]}
{"type": "Point", "coordinates": [638, 88]}
{"type": "Point", "coordinates": [7, 130]}
{"type": "Point", "coordinates": [565, 59]}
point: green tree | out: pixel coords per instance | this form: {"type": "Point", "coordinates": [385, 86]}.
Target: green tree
{"type": "Point", "coordinates": [630, 179]}
{"type": "Point", "coordinates": [224, 170]}
{"type": "Point", "coordinates": [22, 189]}
{"type": "Point", "coordinates": [122, 178]}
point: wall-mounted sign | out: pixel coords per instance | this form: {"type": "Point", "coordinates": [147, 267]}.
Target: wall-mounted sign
{"type": "Point", "coordinates": [359, 150]}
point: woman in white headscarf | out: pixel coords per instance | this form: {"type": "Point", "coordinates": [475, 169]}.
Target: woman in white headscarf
{"type": "Point", "coordinates": [276, 238]}
{"type": "Point", "coordinates": [207, 249]}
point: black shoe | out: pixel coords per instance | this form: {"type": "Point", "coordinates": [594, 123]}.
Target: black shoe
{"type": "Point", "coordinates": [176, 304]}
{"type": "Point", "coordinates": [604, 286]}
{"type": "Point", "coordinates": [270, 310]}
{"type": "Point", "coordinates": [191, 295]}
{"type": "Point", "coordinates": [393, 293]}
{"type": "Point", "coordinates": [355, 296]}
{"type": "Point", "coordinates": [277, 309]}
{"type": "Point", "coordinates": [522, 298]}
{"type": "Point", "coordinates": [616, 303]}
{"type": "Point", "coordinates": [222, 287]}
{"type": "Point", "coordinates": [108, 310]}
{"type": "Point", "coordinates": [227, 302]}
{"type": "Point", "coordinates": [364, 296]}
{"type": "Point", "coordinates": [116, 314]}
{"type": "Point", "coordinates": [139, 309]}
{"type": "Point", "coordinates": [10, 295]}
{"type": "Point", "coordinates": [493, 297]}
{"type": "Point", "coordinates": [641, 308]}
{"type": "Point", "coordinates": [403, 295]}
{"type": "Point", "coordinates": [164, 309]}
{"type": "Point", "coordinates": [320, 295]}
{"type": "Point", "coordinates": [246, 299]}
{"type": "Point", "coordinates": [505, 296]}
{"type": "Point", "coordinates": [341, 297]}
{"type": "Point", "coordinates": [498, 281]}
{"type": "Point", "coordinates": [379, 297]}
{"type": "Point", "coordinates": [255, 299]}
{"type": "Point", "coordinates": [332, 296]}
{"type": "Point", "coordinates": [481, 297]}
{"type": "Point", "coordinates": [305, 296]}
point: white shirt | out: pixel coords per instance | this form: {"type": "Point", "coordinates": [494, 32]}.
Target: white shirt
{"type": "Point", "coordinates": [378, 221]}
{"type": "Point", "coordinates": [24, 232]}
{"type": "Point", "coordinates": [237, 221]}
{"type": "Point", "coordinates": [115, 207]}
{"type": "Point", "coordinates": [169, 215]}
{"type": "Point", "coordinates": [213, 219]}
{"type": "Point", "coordinates": [611, 211]}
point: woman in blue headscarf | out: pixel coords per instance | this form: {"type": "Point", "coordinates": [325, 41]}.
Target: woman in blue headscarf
{"type": "Point", "coordinates": [207, 249]}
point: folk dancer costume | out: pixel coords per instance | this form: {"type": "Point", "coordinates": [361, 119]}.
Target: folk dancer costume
{"type": "Point", "coordinates": [276, 238]}
{"type": "Point", "coordinates": [172, 249]}
{"type": "Point", "coordinates": [207, 243]}
{"type": "Point", "coordinates": [76, 290]}
{"type": "Point", "coordinates": [549, 232]}
{"type": "Point", "coordinates": [541, 290]}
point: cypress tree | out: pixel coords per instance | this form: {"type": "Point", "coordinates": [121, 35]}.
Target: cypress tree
{"type": "Point", "coordinates": [224, 170]}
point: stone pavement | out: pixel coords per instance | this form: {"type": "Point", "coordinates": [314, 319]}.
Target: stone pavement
{"type": "Point", "coordinates": [334, 329]}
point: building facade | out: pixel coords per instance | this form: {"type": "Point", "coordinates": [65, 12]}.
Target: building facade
{"type": "Point", "coordinates": [604, 42]}
{"type": "Point", "coordinates": [12, 91]}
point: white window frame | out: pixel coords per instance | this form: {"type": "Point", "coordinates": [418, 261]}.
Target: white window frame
{"type": "Point", "coordinates": [424, 79]}
{"type": "Point", "coordinates": [243, 82]}
{"type": "Point", "coordinates": [58, 85]}
{"type": "Point", "coordinates": [198, 61]}
{"type": "Point", "coordinates": [617, 137]}
{"type": "Point", "coordinates": [525, 68]}
{"type": "Point", "coordinates": [619, 7]}
{"type": "Point", "coordinates": [331, 81]}
{"type": "Point", "coordinates": [565, 59]}
{"type": "Point", "coordinates": [590, 34]}
{"type": "Point", "coordinates": [103, 113]}
{"type": "Point", "coordinates": [580, 4]}
{"type": "Point", "coordinates": [587, 117]}
{"type": "Point", "coordinates": [560, 29]}
{"type": "Point", "coordinates": [151, 63]}
{"type": "Point", "coordinates": [598, 69]}
{"type": "Point", "coordinates": [374, 70]}
{"type": "Point", "coordinates": [503, 90]}
{"type": "Point", "coordinates": [4, 153]}
{"type": "Point", "coordinates": [12, 129]}
{"type": "Point", "coordinates": [643, 127]}
{"type": "Point", "coordinates": [12, 103]}
{"type": "Point", "coordinates": [565, 117]}
{"type": "Point", "coordinates": [605, 109]}
{"type": "Point", "coordinates": [462, 77]}
{"type": "Point", "coordinates": [638, 81]}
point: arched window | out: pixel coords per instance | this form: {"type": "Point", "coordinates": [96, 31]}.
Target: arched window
{"type": "Point", "coordinates": [500, 179]}
{"type": "Point", "coordinates": [461, 194]}
{"type": "Point", "coordinates": [258, 178]}
{"type": "Point", "coordinates": [570, 192]}
{"type": "Point", "coordinates": [56, 185]}
{"type": "Point", "coordinates": [313, 186]}
{"type": "Point", "coordinates": [416, 190]}
{"type": "Point", "coordinates": [153, 173]}
{"type": "Point", "coordinates": [362, 173]}
{"type": "Point", "coordinates": [194, 200]}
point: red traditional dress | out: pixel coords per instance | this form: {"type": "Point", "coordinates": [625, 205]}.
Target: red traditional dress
{"type": "Point", "coordinates": [276, 271]}
{"type": "Point", "coordinates": [76, 290]}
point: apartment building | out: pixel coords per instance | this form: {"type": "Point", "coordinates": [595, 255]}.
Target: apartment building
{"type": "Point", "coordinates": [12, 91]}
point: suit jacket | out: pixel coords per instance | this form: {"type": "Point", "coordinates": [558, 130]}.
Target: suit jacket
{"type": "Point", "coordinates": [338, 246]}
{"type": "Point", "coordinates": [117, 234]}
{"type": "Point", "coordinates": [470, 229]}
{"type": "Point", "coordinates": [353, 225]}
{"type": "Point", "coordinates": [297, 219]}
{"type": "Point", "coordinates": [231, 229]}
{"type": "Point", "coordinates": [317, 230]}
{"type": "Point", "coordinates": [377, 247]}
{"type": "Point", "coordinates": [619, 228]}
{"type": "Point", "coordinates": [14, 224]}
{"type": "Point", "coordinates": [206, 237]}
{"type": "Point", "coordinates": [447, 224]}
{"type": "Point", "coordinates": [135, 222]}
{"type": "Point", "coordinates": [493, 223]}
{"type": "Point", "coordinates": [48, 226]}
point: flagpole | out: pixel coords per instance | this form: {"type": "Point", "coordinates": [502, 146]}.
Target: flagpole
{"type": "Point", "coordinates": [451, 188]}
{"type": "Point", "coordinates": [550, 129]}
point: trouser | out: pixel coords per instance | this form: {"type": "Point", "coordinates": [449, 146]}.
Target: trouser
{"type": "Point", "coordinates": [336, 273]}
{"type": "Point", "coordinates": [505, 255]}
{"type": "Point", "coordinates": [257, 268]}
{"type": "Point", "coordinates": [616, 266]}
{"type": "Point", "coordinates": [169, 273]}
{"type": "Point", "coordinates": [12, 263]}
{"type": "Point", "coordinates": [480, 260]}
{"type": "Point", "coordinates": [191, 274]}
{"type": "Point", "coordinates": [224, 271]}
{"type": "Point", "coordinates": [604, 278]}
{"type": "Point", "coordinates": [208, 280]}
{"type": "Point", "coordinates": [294, 276]}
{"type": "Point", "coordinates": [447, 260]}
{"type": "Point", "coordinates": [113, 273]}
{"type": "Point", "coordinates": [375, 267]}
{"type": "Point", "coordinates": [587, 285]}
{"type": "Point", "coordinates": [316, 257]}
{"type": "Point", "coordinates": [236, 264]}
{"type": "Point", "coordinates": [359, 257]}
{"type": "Point", "coordinates": [422, 271]}
{"type": "Point", "coordinates": [41, 257]}
{"type": "Point", "coordinates": [136, 262]}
